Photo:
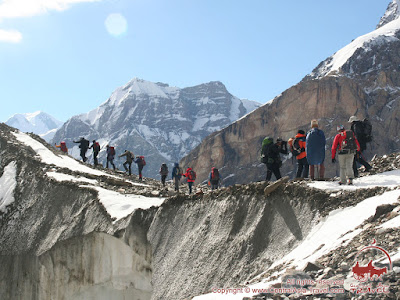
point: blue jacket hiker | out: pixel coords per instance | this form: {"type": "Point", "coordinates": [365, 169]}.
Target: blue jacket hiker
{"type": "Point", "coordinates": [315, 149]}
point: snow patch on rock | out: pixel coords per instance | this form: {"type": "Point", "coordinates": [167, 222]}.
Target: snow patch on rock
{"type": "Point", "coordinates": [8, 182]}
{"type": "Point", "coordinates": [121, 205]}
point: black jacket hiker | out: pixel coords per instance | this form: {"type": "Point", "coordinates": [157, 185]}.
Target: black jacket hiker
{"type": "Point", "coordinates": [358, 128]}
{"type": "Point", "coordinates": [272, 159]}
{"type": "Point", "coordinates": [84, 146]}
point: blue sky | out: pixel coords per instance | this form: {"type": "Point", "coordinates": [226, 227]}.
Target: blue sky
{"type": "Point", "coordinates": [62, 59]}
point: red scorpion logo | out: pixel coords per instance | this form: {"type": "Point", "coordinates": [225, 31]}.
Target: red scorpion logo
{"type": "Point", "coordinates": [370, 271]}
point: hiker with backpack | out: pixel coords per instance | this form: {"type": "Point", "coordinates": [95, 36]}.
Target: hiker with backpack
{"type": "Point", "coordinates": [83, 145]}
{"type": "Point", "coordinates": [315, 150]}
{"type": "Point", "coordinates": [270, 156]}
{"type": "Point", "coordinates": [176, 175]}
{"type": "Point", "coordinates": [63, 147]}
{"type": "Point", "coordinates": [298, 149]}
{"type": "Point", "coordinates": [191, 177]}
{"type": "Point", "coordinates": [214, 178]}
{"type": "Point", "coordinates": [347, 145]}
{"type": "Point", "coordinates": [164, 173]}
{"type": "Point", "coordinates": [96, 149]}
{"type": "Point", "coordinates": [129, 159]}
{"type": "Point", "coordinates": [363, 133]}
{"type": "Point", "coordinates": [110, 156]}
{"type": "Point", "coordinates": [140, 161]}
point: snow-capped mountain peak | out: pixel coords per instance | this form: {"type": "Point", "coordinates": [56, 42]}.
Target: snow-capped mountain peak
{"type": "Point", "coordinates": [139, 87]}
{"type": "Point", "coordinates": [385, 33]}
{"type": "Point", "coordinates": [32, 117]}
{"type": "Point", "coordinates": [37, 122]}
{"type": "Point", "coordinates": [392, 13]}
{"type": "Point", "coordinates": [157, 120]}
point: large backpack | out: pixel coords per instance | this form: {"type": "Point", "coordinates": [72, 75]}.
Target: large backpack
{"type": "Point", "coordinates": [295, 146]}
{"type": "Point", "coordinates": [266, 146]}
{"type": "Point", "coordinates": [164, 169]}
{"type": "Point", "coordinates": [349, 141]}
{"type": "Point", "coordinates": [366, 127]}
{"type": "Point", "coordinates": [85, 143]}
{"type": "Point", "coordinates": [143, 163]}
{"type": "Point", "coordinates": [112, 150]}
{"type": "Point", "coordinates": [96, 147]}
{"type": "Point", "coordinates": [215, 174]}
{"type": "Point", "coordinates": [63, 147]}
{"type": "Point", "coordinates": [130, 156]}
{"type": "Point", "coordinates": [192, 175]}
{"type": "Point", "coordinates": [177, 171]}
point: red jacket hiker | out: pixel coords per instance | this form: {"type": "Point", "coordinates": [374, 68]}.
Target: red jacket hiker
{"type": "Point", "coordinates": [63, 147]}
{"type": "Point", "coordinates": [338, 141]}
{"type": "Point", "coordinates": [302, 144]}
{"type": "Point", "coordinates": [190, 175]}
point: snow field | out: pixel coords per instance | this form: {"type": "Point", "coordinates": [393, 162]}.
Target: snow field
{"type": "Point", "coordinates": [389, 179]}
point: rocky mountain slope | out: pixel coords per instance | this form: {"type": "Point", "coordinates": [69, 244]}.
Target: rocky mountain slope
{"type": "Point", "coordinates": [38, 122]}
{"type": "Point", "coordinates": [57, 224]}
{"type": "Point", "coordinates": [361, 79]}
{"type": "Point", "coordinates": [69, 231]}
{"type": "Point", "coordinates": [162, 123]}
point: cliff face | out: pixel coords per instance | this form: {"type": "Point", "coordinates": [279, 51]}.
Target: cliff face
{"type": "Point", "coordinates": [94, 266]}
{"type": "Point", "coordinates": [224, 238]}
{"type": "Point", "coordinates": [366, 85]}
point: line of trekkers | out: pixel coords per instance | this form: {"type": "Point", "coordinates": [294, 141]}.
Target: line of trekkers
{"type": "Point", "coordinates": [309, 150]}
{"type": "Point", "coordinates": [110, 151]}
{"type": "Point", "coordinates": [177, 172]}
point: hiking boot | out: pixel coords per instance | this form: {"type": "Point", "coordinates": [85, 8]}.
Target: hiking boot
{"type": "Point", "coordinates": [340, 183]}
{"type": "Point", "coordinates": [350, 181]}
